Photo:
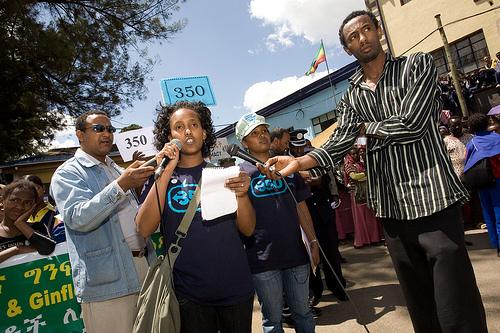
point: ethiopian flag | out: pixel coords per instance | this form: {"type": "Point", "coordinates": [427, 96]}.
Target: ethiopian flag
{"type": "Point", "coordinates": [318, 59]}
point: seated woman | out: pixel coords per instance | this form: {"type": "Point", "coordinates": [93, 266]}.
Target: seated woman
{"type": "Point", "coordinates": [16, 236]}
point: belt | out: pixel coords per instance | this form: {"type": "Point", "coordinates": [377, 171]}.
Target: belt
{"type": "Point", "coordinates": [140, 253]}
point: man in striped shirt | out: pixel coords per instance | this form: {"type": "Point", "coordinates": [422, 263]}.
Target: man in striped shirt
{"type": "Point", "coordinates": [396, 103]}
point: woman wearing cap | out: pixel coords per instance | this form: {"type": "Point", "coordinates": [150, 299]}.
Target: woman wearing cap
{"type": "Point", "coordinates": [276, 253]}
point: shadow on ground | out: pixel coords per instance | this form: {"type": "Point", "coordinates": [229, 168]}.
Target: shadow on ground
{"type": "Point", "coordinates": [368, 305]}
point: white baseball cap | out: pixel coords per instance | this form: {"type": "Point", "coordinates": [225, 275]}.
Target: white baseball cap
{"type": "Point", "coordinates": [247, 123]}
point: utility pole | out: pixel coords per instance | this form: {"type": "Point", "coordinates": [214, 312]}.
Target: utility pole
{"type": "Point", "coordinates": [453, 69]}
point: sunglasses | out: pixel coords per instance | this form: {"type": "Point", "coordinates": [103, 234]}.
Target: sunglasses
{"type": "Point", "coordinates": [100, 128]}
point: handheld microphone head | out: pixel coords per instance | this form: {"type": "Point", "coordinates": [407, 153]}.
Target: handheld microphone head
{"type": "Point", "coordinates": [165, 160]}
{"type": "Point", "coordinates": [232, 149]}
{"type": "Point", "coordinates": [177, 142]}
{"type": "Point", "coordinates": [152, 162]}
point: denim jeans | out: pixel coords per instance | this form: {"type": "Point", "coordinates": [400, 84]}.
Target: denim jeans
{"type": "Point", "coordinates": [197, 318]}
{"type": "Point", "coordinates": [271, 285]}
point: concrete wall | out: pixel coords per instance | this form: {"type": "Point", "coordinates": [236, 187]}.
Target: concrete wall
{"type": "Point", "coordinates": [486, 99]}
{"type": "Point", "coordinates": [407, 24]}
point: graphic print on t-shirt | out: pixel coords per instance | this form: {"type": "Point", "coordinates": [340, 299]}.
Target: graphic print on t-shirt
{"type": "Point", "coordinates": [262, 186]}
{"type": "Point", "coordinates": [179, 197]}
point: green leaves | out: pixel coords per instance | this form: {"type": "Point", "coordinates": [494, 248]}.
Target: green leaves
{"type": "Point", "coordinates": [73, 56]}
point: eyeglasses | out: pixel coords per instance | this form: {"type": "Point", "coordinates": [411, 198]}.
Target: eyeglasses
{"type": "Point", "coordinates": [100, 128]}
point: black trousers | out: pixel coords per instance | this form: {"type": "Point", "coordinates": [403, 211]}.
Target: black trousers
{"type": "Point", "coordinates": [435, 272]}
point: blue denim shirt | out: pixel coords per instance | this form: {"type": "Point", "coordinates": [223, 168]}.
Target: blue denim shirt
{"type": "Point", "coordinates": [101, 260]}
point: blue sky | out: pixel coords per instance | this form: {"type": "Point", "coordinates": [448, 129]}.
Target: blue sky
{"type": "Point", "coordinates": [255, 52]}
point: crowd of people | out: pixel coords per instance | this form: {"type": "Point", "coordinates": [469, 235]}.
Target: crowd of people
{"type": "Point", "coordinates": [287, 225]}
{"type": "Point", "coordinates": [486, 76]}
{"type": "Point", "coordinates": [458, 135]}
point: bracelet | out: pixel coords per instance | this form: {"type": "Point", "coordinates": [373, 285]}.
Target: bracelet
{"type": "Point", "coordinates": [314, 240]}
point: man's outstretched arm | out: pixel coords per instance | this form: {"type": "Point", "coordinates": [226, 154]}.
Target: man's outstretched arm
{"type": "Point", "coordinates": [286, 165]}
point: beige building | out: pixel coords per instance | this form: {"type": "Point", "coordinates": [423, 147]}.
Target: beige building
{"type": "Point", "coordinates": [472, 28]}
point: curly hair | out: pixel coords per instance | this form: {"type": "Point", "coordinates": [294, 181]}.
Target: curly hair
{"type": "Point", "coordinates": [350, 17]}
{"type": "Point", "coordinates": [162, 125]}
{"type": "Point", "coordinates": [22, 184]}
{"type": "Point", "coordinates": [478, 122]}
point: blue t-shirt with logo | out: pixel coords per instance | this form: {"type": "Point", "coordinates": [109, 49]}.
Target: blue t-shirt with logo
{"type": "Point", "coordinates": [212, 267]}
{"type": "Point", "coordinates": [277, 240]}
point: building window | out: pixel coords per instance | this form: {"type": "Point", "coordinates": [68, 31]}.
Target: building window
{"type": "Point", "coordinates": [324, 121]}
{"type": "Point", "coordinates": [467, 54]}
{"type": "Point", "coordinates": [403, 2]}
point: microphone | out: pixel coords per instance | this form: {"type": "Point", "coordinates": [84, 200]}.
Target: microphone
{"type": "Point", "coordinates": [234, 150]}
{"type": "Point", "coordinates": [151, 162]}
{"type": "Point", "coordinates": [165, 160]}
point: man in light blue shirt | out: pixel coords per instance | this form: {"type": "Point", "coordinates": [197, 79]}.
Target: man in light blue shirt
{"type": "Point", "coordinates": [98, 203]}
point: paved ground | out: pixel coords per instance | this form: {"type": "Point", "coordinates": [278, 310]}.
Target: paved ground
{"type": "Point", "coordinates": [376, 294]}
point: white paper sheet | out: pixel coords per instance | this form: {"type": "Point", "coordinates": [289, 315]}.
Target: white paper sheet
{"type": "Point", "coordinates": [216, 200]}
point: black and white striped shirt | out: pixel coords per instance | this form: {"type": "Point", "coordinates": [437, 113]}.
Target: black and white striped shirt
{"type": "Point", "coordinates": [410, 174]}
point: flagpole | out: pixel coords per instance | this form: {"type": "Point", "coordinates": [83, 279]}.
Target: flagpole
{"type": "Point", "coordinates": [329, 79]}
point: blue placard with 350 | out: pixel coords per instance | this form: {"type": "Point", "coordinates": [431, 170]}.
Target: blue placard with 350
{"type": "Point", "coordinates": [193, 89]}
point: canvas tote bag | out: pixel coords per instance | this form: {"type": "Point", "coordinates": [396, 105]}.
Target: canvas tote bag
{"type": "Point", "coordinates": [157, 306]}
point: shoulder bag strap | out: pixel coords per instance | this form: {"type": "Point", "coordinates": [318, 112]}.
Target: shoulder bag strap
{"type": "Point", "coordinates": [182, 229]}
{"type": "Point", "coordinates": [181, 232]}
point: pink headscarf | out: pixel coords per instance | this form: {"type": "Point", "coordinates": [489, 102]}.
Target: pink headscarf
{"type": "Point", "coordinates": [360, 166]}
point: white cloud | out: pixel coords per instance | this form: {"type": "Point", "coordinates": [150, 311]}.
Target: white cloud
{"type": "Point", "coordinates": [66, 137]}
{"type": "Point", "coordinates": [67, 143]}
{"type": "Point", "coordinates": [312, 20]}
{"type": "Point", "coordinates": [257, 50]}
{"type": "Point", "coordinates": [262, 94]}
{"type": "Point", "coordinates": [296, 20]}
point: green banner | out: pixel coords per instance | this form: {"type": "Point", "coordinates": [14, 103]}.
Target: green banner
{"type": "Point", "coordinates": [158, 243]}
{"type": "Point", "coordinates": [37, 295]}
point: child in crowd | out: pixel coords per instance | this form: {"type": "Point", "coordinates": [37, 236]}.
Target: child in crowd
{"type": "Point", "coordinates": [45, 213]}
{"type": "Point", "coordinates": [276, 253]}
{"type": "Point", "coordinates": [16, 236]}
{"type": "Point", "coordinates": [212, 279]}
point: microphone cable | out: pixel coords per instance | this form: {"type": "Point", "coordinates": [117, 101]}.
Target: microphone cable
{"type": "Point", "coordinates": [322, 252]}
